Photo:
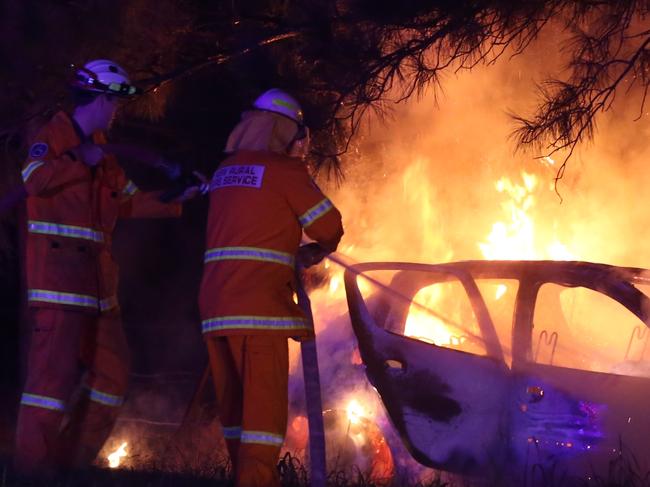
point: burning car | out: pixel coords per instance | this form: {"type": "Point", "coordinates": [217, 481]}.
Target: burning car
{"type": "Point", "coordinates": [484, 364]}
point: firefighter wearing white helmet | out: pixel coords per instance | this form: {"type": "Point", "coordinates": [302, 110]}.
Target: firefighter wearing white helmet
{"type": "Point", "coordinates": [76, 193]}
{"type": "Point", "coordinates": [281, 103]}
{"type": "Point", "coordinates": [278, 101]}
{"type": "Point", "coordinates": [103, 76]}
{"type": "Point", "coordinates": [262, 198]}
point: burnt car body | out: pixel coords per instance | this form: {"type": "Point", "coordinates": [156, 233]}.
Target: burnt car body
{"type": "Point", "coordinates": [524, 391]}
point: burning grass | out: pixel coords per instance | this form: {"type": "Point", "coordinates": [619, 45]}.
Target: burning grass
{"type": "Point", "coordinates": [624, 471]}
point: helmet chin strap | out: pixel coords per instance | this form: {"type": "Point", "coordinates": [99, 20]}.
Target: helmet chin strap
{"type": "Point", "coordinates": [299, 147]}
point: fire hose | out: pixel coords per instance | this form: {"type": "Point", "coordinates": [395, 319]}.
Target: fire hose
{"type": "Point", "coordinates": [317, 450]}
{"type": "Point", "coordinates": [311, 376]}
{"type": "Point", "coordinates": [16, 194]}
{"type": "Point", "coordinates": [313, 398]}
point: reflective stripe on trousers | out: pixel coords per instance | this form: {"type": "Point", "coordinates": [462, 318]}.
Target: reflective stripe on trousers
{"type": "Point", "coordinates": [248, 253]}
{"type": "Point", "coordinates": [108, 303]}
{"type": "Point", "coordinates": [71, 231]}
{"type": "Point", "coordinates": [315, 212]}
{"type": "Point", "coordinates": [44, 402]}
{"type": "Point", "coordinates": [83, 300]}
{"type": "Point", "coordinates": [262, 438]}
{"type": "Point", "coordinates": [104, 397]}
{"type": "Point", "coordinates": [254, 323]}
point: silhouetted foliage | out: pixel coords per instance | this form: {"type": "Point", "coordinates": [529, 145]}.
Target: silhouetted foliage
{"type": "Point", "coordinates": [341, 58]}
{"type": "Point", "coordinates": [609, 54]}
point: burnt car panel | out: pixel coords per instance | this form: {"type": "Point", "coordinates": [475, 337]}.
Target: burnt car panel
{"type": "Point", "coordinates": [463, 412]}
{"type": "Point", "coordinates": [423, 400]}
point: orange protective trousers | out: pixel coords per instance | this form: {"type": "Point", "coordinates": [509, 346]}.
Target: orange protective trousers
{"type": "Point", "coordinates": [59, 423]}
{"type": "Point", "coordinates": [251, 382]}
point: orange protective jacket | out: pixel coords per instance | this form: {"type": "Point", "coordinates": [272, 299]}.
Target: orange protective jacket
{"type": "Point", "coordinates": [72, 210]}
{"type": "Point", "coordinates": [260, 202]}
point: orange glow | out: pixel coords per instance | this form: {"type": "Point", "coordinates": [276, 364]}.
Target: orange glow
{"type": "Point", "coordinates": [356, 357]}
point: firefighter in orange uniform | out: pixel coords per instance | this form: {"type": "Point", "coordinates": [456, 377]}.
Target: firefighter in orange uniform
{"type": "Point", "coordinates": [76, 193]}
{"type": "Point", "coordinates": [261, 200]}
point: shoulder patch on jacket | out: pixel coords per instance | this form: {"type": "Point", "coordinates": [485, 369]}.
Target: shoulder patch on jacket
{"type": "Point", "coordinates": [37, 150]}
{"type": "Point", "coordinates": [247, 176]}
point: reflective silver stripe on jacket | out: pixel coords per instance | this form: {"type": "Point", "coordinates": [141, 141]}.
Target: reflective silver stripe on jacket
{"type": "Point", "coordinates": [130, 189]}
{"type": "Point", "coordinates": [248, 253]}
{"type": "Point", "coordinates": [71, 231]}
{"type": "Point", "coordinates": [31, 167]}
{"type": "Point", "coordinates": [315, 212]}
{"type": "Point", "coordinates": [254, 323]}
{"type": "Point", "coordinates": [231, 432]}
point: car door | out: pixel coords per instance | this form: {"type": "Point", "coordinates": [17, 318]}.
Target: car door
{"type": "Point", "coordinates": [447, 404]}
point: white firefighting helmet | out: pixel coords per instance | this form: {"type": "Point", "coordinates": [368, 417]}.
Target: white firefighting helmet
{"type": "Point", "coordinates": [103, 76]}
{"type": "Point", "coordinates": [278, 101]}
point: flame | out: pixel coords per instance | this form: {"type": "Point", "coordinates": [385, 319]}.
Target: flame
{"type": "Point", "coordinates": [549, 160]}
{"type": "Point", "coordinates": [518, 231]}
{"type": "Point", "coordinates": [501, 290]}
{"type": "Point", "coordinates": [513, 239]}
{"type": "Point", "coordinates": [355, 411]}
{"type": "Point", "coordinates": [515, 236]}
{"type": "Point", "coordinates": [115, 458]}
{"type": "Point", "coordinates": [422, 324]}
{"type": "Point", "coordinates": [558, 251]}
{"type": "Point", "coordinates": [335, 283]}
{"type": "Point", "coordinates": [519, 237]}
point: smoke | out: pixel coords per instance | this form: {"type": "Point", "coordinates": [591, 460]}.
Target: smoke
{"type": "Point", "coordinates": [421, 187]}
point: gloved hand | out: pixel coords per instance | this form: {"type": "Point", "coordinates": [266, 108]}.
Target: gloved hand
{"type": "Point", "coordinates": [88, 153]}
{"type": "Point", "coordinates": [171, 169]}
{"type": "Point", "coordinates": [310, 254]}
{"type": "Point", "coordinates": [194, 190]}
